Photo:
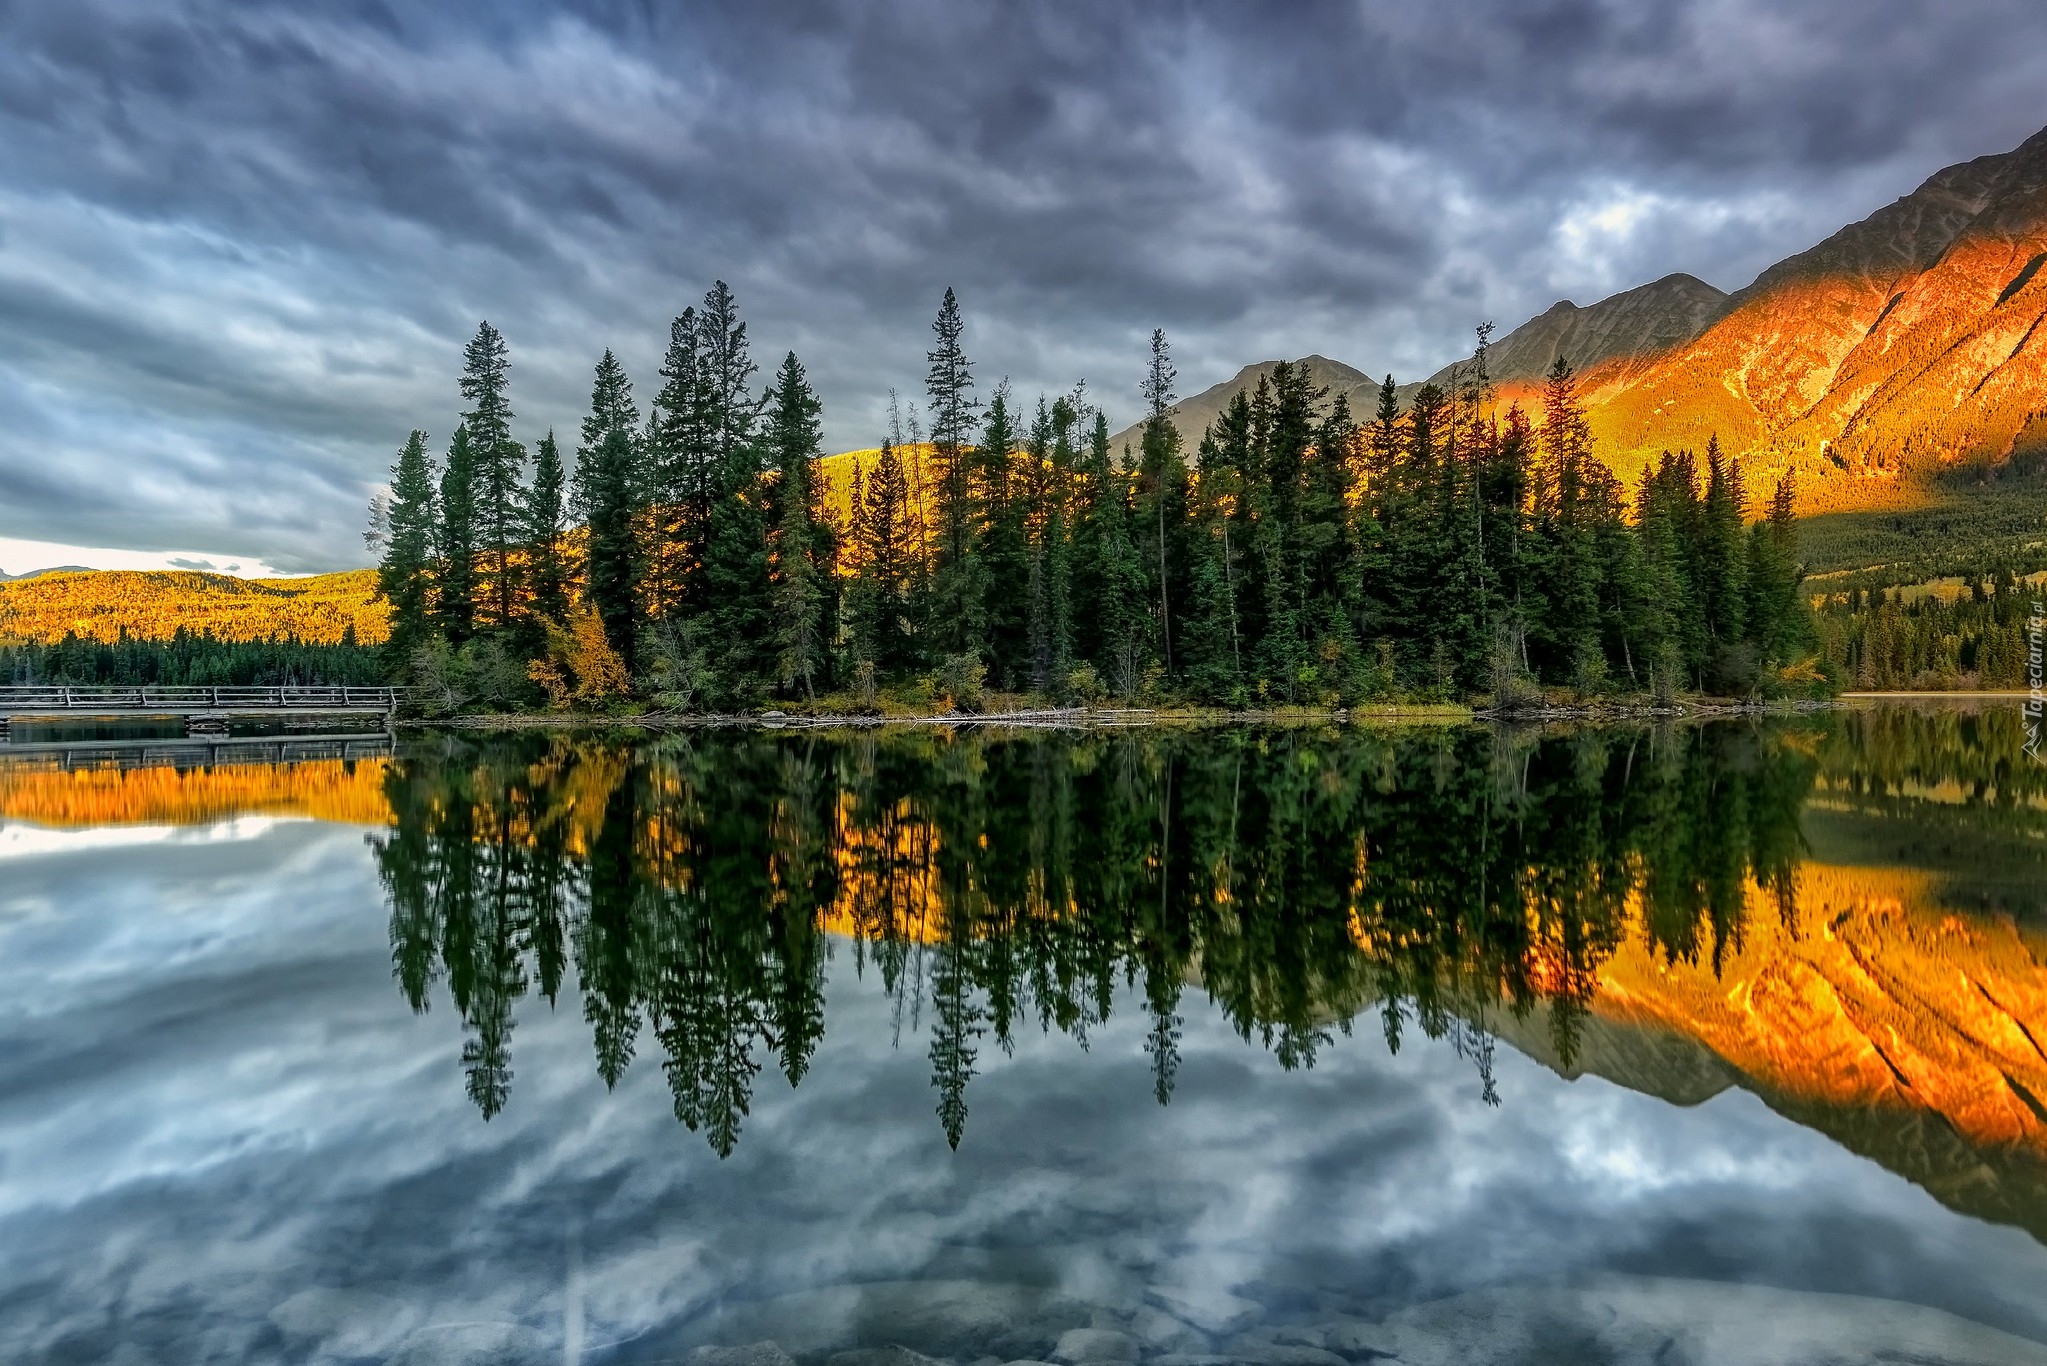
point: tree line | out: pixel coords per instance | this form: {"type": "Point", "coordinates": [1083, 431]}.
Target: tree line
{"type": "Point", "coordinates": [192, 658]}
{"type": "Point", "coordinates": [1886, 638]}
{"type": "Point", "coordinates": [692, 553]}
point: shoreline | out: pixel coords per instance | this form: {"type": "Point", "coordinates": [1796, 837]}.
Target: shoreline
{"type": "Point", "coordinates": [1126, 718]}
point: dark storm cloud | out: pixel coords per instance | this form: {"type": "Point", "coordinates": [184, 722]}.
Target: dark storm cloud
{"type": "Point", "coordinates": [240, 244]}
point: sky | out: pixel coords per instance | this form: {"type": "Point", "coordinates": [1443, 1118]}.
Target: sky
{"type": "Point", "coordinates": [242, 243]}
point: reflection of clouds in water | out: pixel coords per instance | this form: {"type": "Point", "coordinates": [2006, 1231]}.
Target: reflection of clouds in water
{"type": "Point", "coordinates": [34, 841]}
{"type": "Point", "coordinates": [213, 1100]}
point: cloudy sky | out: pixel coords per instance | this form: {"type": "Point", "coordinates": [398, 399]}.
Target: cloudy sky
{"type": "Point", "coordinates": [242, 243]}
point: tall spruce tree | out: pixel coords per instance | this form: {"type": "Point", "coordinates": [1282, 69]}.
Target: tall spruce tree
{"type": "Point", "coordinates": [1723, 571]}
{"type": "Point", "coordinates": [794, 436]}
{"type": "Point", "coordinates": [682, 473]}
{"type": "Point", "coordinates": [403, 573]}
{"type": "Point", "coordinates": [607, 496]}
{"type": "Point", "coordinates": [1003, 561]}
{"type": "Point", "coordinates": [497, 461]}
{"type": "Point", "coordinates": [544, 520]}
{"type": "Point", "coordinates": [738, 591]}
{"type": "Point", "coordinates": [882, 625]}
{"type": "Point", "coordinates": [954, 621]}
{"type": "Point", "coordinates": [455, 542]}
{"type": "Point", "coordinates": [1163, 488]}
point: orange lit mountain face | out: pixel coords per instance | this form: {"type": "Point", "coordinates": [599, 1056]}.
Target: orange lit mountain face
{"type": "Point", "coordinates": [1904, 344]}
{"type": "Point", "coordinates": [152, 604]}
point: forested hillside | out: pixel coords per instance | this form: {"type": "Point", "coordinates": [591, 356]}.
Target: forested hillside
{"type": "Point", "coordinates": [107, 605]}
{"type": "Point", "coordinates": [178, 627]}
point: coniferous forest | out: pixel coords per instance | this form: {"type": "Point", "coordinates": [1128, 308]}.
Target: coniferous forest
{"type": "Point", "coordinates": [691, 554]}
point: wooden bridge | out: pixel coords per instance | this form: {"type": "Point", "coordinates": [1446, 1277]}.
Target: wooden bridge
{"type": "Point", "coordinates": [206, 711]}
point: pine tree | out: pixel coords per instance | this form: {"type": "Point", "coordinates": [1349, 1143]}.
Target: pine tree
{"type": "Point", "coordinates": [738, 594]}
{"type": "Point", "coordinates": [682, 470]}
{"type": "Point", "coordinates": [403, 575]}
{"type": "Point", "coordinates": [1056, 540]}
{"type": "Point", "coordinates": [1723, 571]}
{"type": "Point", "coordinates": [455, 542]}
{"type": "Point", "coordinates": [1213, 658]}
{"type": "Point", "coordinates": [1163, 487]}
{"type": "Point", "coordinates": [954, 600]}
{"type": "Point", "coordinates": [611, 409]}
{"type": "Point", "coordinates": [544, 521]}
{"type": "Point", "coordinates": [1002, 558]}
{"type": "Point", "coordinates": [1779, 620]}
{"type": "Point", "coordinates": [607, 496]}
{"type": "Point", "coordinates": [883, 535]}
{"type": "Point", "coordinates": [726, 370]}
{"type": "Point", "coordinates": [498, 460]}
{"type": "Point", "coordinates": [794, 436]}
{"type": "Point", "coordinates": [1035, 501]}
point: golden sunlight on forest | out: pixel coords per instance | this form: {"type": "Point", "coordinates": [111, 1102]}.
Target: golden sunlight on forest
{"type": "Point", "coordinates": [155, 604]}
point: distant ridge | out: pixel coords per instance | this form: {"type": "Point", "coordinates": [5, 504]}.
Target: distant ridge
{"type": "Point", "coordinates": [5, 577]}
{"type": "Point", "coordinates": [1191, 416]}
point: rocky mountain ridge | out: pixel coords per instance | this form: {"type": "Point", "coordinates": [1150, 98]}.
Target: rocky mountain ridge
{"type": "Point", "coordinates": [1905, 344]}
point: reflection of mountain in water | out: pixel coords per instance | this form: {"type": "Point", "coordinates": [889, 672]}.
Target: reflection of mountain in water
{"type": "Point", "coordinates": [1838, 915]}
{"type": "Point", "coordinates": [1904, 1031]}
{"type": "Point", "coordinates": [1631, 904]}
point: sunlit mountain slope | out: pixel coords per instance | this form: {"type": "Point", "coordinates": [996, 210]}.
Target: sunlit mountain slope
{"type": "Point", "coordinates": [1904, 345]}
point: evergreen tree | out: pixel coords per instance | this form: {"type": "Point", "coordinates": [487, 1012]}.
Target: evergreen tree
{"type": "Point", "coordinates": [544, 520]}
{"type": "Point", "coordinates": [497, 461]}
{"type": "Point", "coordinates": [955, 597]}
{"type": "Point", "coordinates": [1055, 538]}
{"type": "Point", "coordinates": [1778, 617]}
{"type": "Point", "coordinates": [455, 541]}
{"type": "Point", "coordinates": [1002, 558]}
{"type": "Point", "coordinates": [409, 547]}
{"type": "Point", "coordinates": [882, 532]}
{"type": "Point", "coordinates": [607, 497]}
{"type": "Point", "coordinates": [1163, 488]}
{"type": "Point", "coordinates": [794, 438]}
{"type": "Point", "coordinates": [1723, 572]}
{"type": "Point", "coordinates": [682, 473]}
{"type": "Point", "coordinates": [738, 592]}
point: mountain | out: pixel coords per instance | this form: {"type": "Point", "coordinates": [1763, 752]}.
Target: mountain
{"type": "Point", "coordinates": [1192, 415]}
{"type": "Point", "coordinates": [1904, 345]}
{"type": "Point", "coordinates": [1619, 331]}
{"type": "Point", "coordinates": [5, 577]}
{"type": "Point", "coordinates": [104, 604]}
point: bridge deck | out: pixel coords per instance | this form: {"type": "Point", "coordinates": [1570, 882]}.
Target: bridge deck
{"type": "Point", "coordinates": [79, 702]}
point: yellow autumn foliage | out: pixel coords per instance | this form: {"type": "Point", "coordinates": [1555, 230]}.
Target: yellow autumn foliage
{"type": "Point", "coordinates": [105, 604]}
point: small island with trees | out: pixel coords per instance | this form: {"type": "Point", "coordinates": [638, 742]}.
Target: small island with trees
{"type": "Point", "coordinates": [704, 556]}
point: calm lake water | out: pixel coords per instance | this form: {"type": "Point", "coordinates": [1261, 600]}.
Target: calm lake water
{"type": "Point", "coordinates": [1715, 1043]}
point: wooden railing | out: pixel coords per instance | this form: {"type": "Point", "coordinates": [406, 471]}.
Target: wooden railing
{"type": "Point", "coordinates": [36, 697]}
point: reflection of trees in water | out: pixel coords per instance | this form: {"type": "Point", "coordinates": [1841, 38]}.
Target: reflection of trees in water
{"type": "Point", "coordinates": [993, 882]}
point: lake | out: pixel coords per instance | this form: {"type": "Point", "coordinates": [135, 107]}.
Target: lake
{"type": "Point", "coordinates": [1715, 1042]}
